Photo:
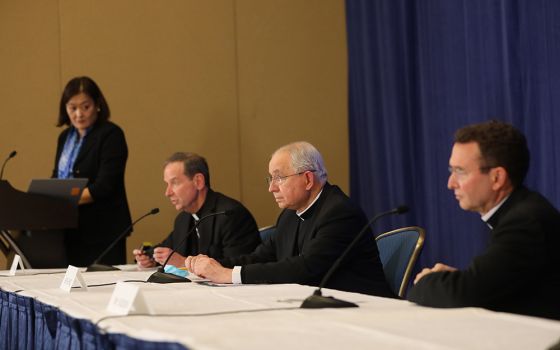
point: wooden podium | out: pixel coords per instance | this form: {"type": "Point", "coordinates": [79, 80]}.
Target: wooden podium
{"type": "Point", "coordinates": [27, 211]}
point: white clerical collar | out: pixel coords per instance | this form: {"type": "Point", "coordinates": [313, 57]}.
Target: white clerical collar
{"type": "Point", "coordinates": [309, 206]}
{"type": "Point", "coordinates": [491, 212]}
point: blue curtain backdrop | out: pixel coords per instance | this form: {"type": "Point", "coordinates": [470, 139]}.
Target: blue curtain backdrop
{"type": "Point", "coordinates": [420, 69]}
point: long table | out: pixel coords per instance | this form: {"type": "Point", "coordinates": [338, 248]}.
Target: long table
{"type": "Point", "coordinates": [201, 316]}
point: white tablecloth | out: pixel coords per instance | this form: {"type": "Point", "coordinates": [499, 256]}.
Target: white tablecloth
{"type": "Point", "coordinates": [268, 317]}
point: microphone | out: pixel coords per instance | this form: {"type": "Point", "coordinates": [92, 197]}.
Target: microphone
{"type": "Point", "coordinates": [12, 155]}
{"type": "Point", "coordinates": [160, 276]}
{"type": "Point", "coordinates": [317, 300]}
{"type": "Point", "coordinates": [96, 266]}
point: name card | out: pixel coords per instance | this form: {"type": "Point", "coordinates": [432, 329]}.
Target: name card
{"type": "Point", "coordinates": [72, 274]}
{"type": "Point", "coordinates": [127, 299]}
{"type": "Point", "coordinates": [17, 261]}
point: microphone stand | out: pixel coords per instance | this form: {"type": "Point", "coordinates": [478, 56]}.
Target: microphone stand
{"type": "Point", "coordinates": [160, 276]}
{"type": "Point", "coordinates": [96, 266]}
{"type": "Point", "coordinates": [12, 155]}
{"type": "Point", "coordinates": [317, 300]}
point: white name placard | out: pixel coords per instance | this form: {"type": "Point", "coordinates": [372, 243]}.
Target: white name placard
{"type": "Point", "coordinates": [72, 274]}
{"type": "Point", "coordinates": [17, 261]}
{"type": "Point", "coordinates": [127, 299]}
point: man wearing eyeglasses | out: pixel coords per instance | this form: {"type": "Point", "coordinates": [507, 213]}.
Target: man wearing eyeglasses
{"type": "Point", "coordinates": [519, 271]}
{"type": "Point", "coordinates": [187, 179]}
{"type": "Point", "coordinates": [318, 222]}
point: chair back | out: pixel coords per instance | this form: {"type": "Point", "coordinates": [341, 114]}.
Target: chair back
{"type": "Point", "coordinates": [267, 231]}
{"type": "Point", "coordinates": [398, 250]}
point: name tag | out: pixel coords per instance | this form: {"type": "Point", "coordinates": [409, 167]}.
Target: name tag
{"type": "Point", "coordinates": [72, 274]}
{"type": "Point", "coordinates": [127, 299]}
{"type": "Point", "coordinates": [17, 261]}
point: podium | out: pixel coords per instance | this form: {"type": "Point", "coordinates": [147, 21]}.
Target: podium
{"type": "Point", "coordinates": [27, 211]}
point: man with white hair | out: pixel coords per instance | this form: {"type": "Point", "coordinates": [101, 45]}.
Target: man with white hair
{"type": "Point", "coordinates": [318, 222]}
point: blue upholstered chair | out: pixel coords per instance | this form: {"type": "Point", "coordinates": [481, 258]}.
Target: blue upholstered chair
{"type": "Point", "coordinates": [267, 231]}
{"type": "Point", "coordinates": [399, 250]}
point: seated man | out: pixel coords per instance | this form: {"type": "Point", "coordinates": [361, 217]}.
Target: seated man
{"type": "Point", "coordinates": [519, 271]}
{"type": "Point", "coordinates": [188, 187]}
{"type": "Point", "coordinates": [318, 222]}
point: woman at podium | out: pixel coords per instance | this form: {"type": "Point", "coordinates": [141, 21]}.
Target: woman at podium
{"type": "Point", "coordinates": [92, 147]}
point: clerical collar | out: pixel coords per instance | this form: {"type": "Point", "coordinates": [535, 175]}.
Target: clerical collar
{"type": "Point", "coordinates": [300, 214]}
{"type": "Point", "coordinates": [492, 211]}
{"type": "Point", "coordinates": [206, 207]}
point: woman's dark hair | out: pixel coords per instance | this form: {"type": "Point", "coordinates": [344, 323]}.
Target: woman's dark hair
{"type": "Point", "coordinates": [88, 87]}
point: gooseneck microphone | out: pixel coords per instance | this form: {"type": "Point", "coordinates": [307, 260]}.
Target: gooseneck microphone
{"type": "Point", "coordinates": [317, 300]}
{"type": "Point", "coordinates": [12, 155]}
{"type": "Point", "coordinates": [160, 276]}
{"type": "Point", "coordinates": [96, 266]}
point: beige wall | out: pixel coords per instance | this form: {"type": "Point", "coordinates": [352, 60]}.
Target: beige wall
{"type": "Point", "coordinates": [230, 79]}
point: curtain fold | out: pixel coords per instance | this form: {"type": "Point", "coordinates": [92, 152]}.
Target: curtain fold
{"type": "Point", "coordinates": [4, 320]}
{"type": "Point", "coordinates": [26, 323]}
{"type": "Point", "coordinates": [419, 70]}
{"type": "Point", "coordinates": [45, 320]}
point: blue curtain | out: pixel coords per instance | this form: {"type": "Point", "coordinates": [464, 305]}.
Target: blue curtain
{"type": "Point", "coordinates": [418, 70]}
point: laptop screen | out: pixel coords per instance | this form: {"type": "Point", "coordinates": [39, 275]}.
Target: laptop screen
{"type": "Point", "coordinates": [69, 189]}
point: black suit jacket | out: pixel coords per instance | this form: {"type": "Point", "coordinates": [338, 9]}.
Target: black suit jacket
{"type": "Point", "coordinates": [102, 160]}
{"type": "Point", "coordinates": [220, 235]}
{"type": "Point", "coordinates": [518, 272]}
{"type": "Point", "coordinates": [304, 254]}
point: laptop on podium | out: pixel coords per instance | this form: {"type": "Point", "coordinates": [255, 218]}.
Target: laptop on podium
{"type": "Point", "coordinates": [70, 189]}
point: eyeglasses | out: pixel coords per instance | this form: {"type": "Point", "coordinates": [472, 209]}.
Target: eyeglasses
{"type": "Point", "coordinates": [457, 171]}
{"type": "Point", "coordinates": [278, 180]}
{"type": "Point", "coordinates": [462, 172]}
